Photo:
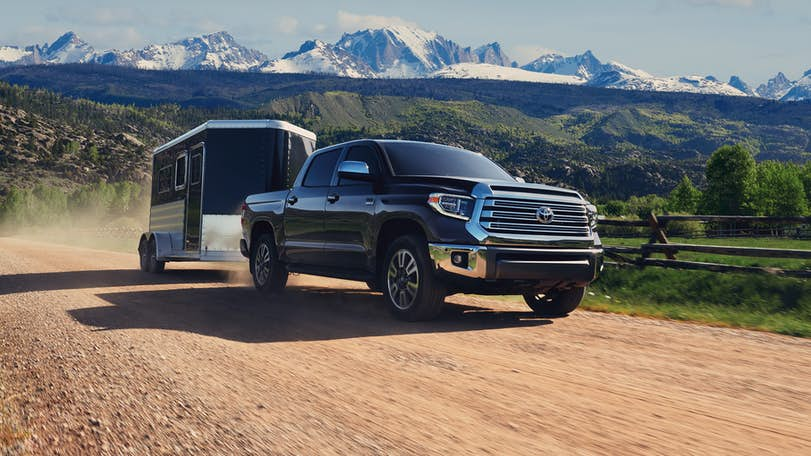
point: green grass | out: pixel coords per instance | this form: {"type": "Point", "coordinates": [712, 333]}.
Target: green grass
{"type": "Point", "coordinates": [753, 301]}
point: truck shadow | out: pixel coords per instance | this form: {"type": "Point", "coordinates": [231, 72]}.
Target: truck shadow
{"type": "Point", "coordinates": [300, 314]}
{"type": "Point", "coordinates": [72, 280]}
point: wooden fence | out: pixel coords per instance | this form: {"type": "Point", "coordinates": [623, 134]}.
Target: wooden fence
{"type": "Point", "coordinates": [659, 243]}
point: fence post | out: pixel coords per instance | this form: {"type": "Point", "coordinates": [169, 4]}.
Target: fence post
{"type": "Point", "coordinates": [658, 235]}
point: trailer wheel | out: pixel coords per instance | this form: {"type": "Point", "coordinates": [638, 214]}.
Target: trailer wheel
{"type": "Point", "coordinates": [555, 303]}
{"type": "Point", "coordinates": [143, 255]}
{"type": "Point", "coordinates": [269, 274]}
{"type": "Point", "coordinates": [152, 264]}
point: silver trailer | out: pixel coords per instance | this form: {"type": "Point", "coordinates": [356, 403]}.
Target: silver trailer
{"type": "Point", "coordinates": [201, 178]}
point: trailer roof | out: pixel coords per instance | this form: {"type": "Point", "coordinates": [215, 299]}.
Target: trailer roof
{"type": "Point", "coordinates": [214, 124]}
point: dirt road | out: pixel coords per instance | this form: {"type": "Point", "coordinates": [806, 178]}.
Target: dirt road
{"type": "Point", "coordinates": [108, 360]}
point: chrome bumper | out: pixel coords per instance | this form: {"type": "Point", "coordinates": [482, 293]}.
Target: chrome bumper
{"type": "Point", "coordinates": [513, 263]}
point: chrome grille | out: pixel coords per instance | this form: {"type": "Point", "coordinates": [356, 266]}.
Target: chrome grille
{"type": "Point", "coordinates": [517, 216]}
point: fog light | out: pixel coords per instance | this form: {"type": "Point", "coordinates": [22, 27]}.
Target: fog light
{"type": "Point", "coordinates": [459, 259]}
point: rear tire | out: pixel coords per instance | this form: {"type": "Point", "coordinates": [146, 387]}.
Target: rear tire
{"type": "Point", "coordinates": [407, 280]}
{"type": "Point", "coordinates": [269, 274]}
{"type": "Point", "coordinates": [143, 255]}
{"type": "Point", "coordinates": [555, 303]}
{"type": "Point", "coordinates": [147, 251]}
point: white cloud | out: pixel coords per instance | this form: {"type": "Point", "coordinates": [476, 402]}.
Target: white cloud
{"type": "Point", "coordinates": [288, 25]}
{"type": "Point", "coordinates": [350, 22]}
{"type": "Point", "coordinates": [525, 53]}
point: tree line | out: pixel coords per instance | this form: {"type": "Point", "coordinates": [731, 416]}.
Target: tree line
{"type": "Point", "coordinates": [736, 185]}
{"type": "Point", "coordinates": [47, 205]}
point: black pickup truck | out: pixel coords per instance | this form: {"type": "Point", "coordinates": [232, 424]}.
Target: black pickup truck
{"type": "Point", "coordinates": [419, 221]}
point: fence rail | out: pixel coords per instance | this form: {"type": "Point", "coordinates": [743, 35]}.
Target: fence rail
{"type": "Point", "coordinates": [659, 243]}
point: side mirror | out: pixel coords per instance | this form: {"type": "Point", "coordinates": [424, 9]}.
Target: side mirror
{"type": "Point", "coordinates": [355, 170]}
{"type": "Point", "coordinates": [519, 179]}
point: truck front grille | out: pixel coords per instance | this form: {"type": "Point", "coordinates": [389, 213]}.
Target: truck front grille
{"type": "Point", "coordinates": [518, 216]}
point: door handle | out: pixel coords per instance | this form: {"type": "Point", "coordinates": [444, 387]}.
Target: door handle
{"type": "Point", "coordinates": [333, 197]}
{"type": "Point", "coordinates": [292, 199]}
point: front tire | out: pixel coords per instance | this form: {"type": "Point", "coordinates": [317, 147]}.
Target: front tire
{"type": "Point", "coordinates": [269, 274]}
{"type": "Point", "coordinates": [555, 303]}
{"type": "Point", "coordinates": [409, 286]}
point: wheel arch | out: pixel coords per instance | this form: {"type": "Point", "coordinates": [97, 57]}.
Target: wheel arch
{"type": "Point", "coordinates": [392, 229]}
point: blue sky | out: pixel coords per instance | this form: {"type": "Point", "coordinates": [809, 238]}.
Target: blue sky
{"type": "Point", "coordinates": [752, 38]}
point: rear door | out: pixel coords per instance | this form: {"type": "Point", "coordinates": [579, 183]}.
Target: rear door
{"type": "Point", "coordinates": [304, 211]}
{"type": "Point", "coordinates": [194, 197]}
{"type": "Point", "coordinates": [349, 212]}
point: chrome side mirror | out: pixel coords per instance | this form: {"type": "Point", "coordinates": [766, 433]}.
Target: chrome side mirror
{"type": "Point", "coordinates": [356, 170]}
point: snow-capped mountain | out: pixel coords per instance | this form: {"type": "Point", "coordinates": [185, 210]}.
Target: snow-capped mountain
{"type": "Point", "coordinates": [321, 58]}
{"type": "Point", "coordinates": [691, 84]}
{"type": "Point", "coordinates": [471, 70]}
{"type": "Point", "coordinates": [492, 54]}
{"type": "Point", "coordinates": [618, 76]}
{"type": "Point", "coordinates": [68, 48]}
{"type": "Point", "coordinates": [217, 51]}
{"type": "Point", "coordinates": [394, 52]}
{"type": "Point", "coordinates": [401, 51]}
{"type": "Point", "coordinates": [584, 65]}
{"type": "Point", "coordinates": [739, 84]}
{"type": "Point", "coordinates": [776, 87]}
{"type": "Point", "coordinates": [800, 90]}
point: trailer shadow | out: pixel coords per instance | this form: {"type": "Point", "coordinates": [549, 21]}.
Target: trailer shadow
{"type": "Point", "coordinates": [72, 280]}
{"type": "Point", "coordinates": [300, 314]}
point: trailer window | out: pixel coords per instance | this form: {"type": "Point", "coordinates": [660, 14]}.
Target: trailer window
{"type": "Point", "coordinates": [180, 172]}
{"type": "Point", "coordinates": [165, 179]}
{"type": "Point", "coordinates": [196, 169]}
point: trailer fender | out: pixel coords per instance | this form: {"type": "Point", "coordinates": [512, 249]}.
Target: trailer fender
{"type": "Point", "coordinates": [163, 245]}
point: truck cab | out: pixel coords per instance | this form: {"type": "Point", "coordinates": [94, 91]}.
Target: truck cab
{"type": "Point", "coordinates": [419, 221]}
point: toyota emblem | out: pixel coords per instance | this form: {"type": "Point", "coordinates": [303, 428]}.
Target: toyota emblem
{"type": "Point", "coordinates": [544, 214]}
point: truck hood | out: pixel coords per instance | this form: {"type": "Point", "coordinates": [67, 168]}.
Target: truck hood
{"type": "Point", "coordinates": [487, 187]}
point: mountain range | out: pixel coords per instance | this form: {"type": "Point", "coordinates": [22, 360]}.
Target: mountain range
{"type": "Point", "coordinates": [395, 52]}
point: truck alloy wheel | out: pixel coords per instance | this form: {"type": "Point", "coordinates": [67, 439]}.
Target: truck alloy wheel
{"type": "Point", "coordinates": [269, 274]}
{"type": "Point", "coordinates": [409, 286]}
{"type": "Point", "coordinates": [261, 264]}
{"type": "Point", "coordinates": [403, 279]}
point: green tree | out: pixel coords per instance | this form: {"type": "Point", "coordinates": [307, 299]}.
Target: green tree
{"type": "Point", "coordinates": [730, 181]}
{"type": "Point", "coordinates": [805, 177]}
{"type": "Point", "coordinates": [614, 208]}
{"type": "Point", "coordinates": [684, 198]}
{"type": "Point", "coordinates": [642, 206]}
{"type": "Point", "coordinates": [779, 190]}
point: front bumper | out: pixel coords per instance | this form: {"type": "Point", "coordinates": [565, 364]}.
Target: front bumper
{"type": "Point", "coordinates": [491, 263]}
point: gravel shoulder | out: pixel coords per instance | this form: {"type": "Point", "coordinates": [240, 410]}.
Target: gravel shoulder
{"type": "Point", "coordinates": [104, 359]}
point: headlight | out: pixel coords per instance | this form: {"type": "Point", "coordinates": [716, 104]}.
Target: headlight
{"type": "Point", "coordinates": [591, 213]}
{"type": "Point", "coordinates": [455, 206]}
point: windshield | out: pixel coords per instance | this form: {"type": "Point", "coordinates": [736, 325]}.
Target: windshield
{"type": "Point", "coordinates": [424, 159]}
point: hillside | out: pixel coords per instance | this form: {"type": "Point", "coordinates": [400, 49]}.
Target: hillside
{"type": "Point", "coordinates": [51, 139]}
{"type": "Point", "coordinates": [609, 143]}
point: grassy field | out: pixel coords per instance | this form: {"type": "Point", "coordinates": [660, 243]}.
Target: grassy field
{"type": "Point", "coordinates": [754, 301]}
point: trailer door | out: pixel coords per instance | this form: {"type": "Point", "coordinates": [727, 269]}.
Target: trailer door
{"type": "Point", "coordinates": [194, 198]}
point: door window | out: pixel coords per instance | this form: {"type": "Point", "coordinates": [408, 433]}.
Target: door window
{"type": "Point", "coordinates": [364, 154]}
{"type": "Point", "coordinates": [321, 169]}
{"type": "Point", "coordinates": [180, 172]}
{"type": "Point", "coordinates": [196, 169]}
